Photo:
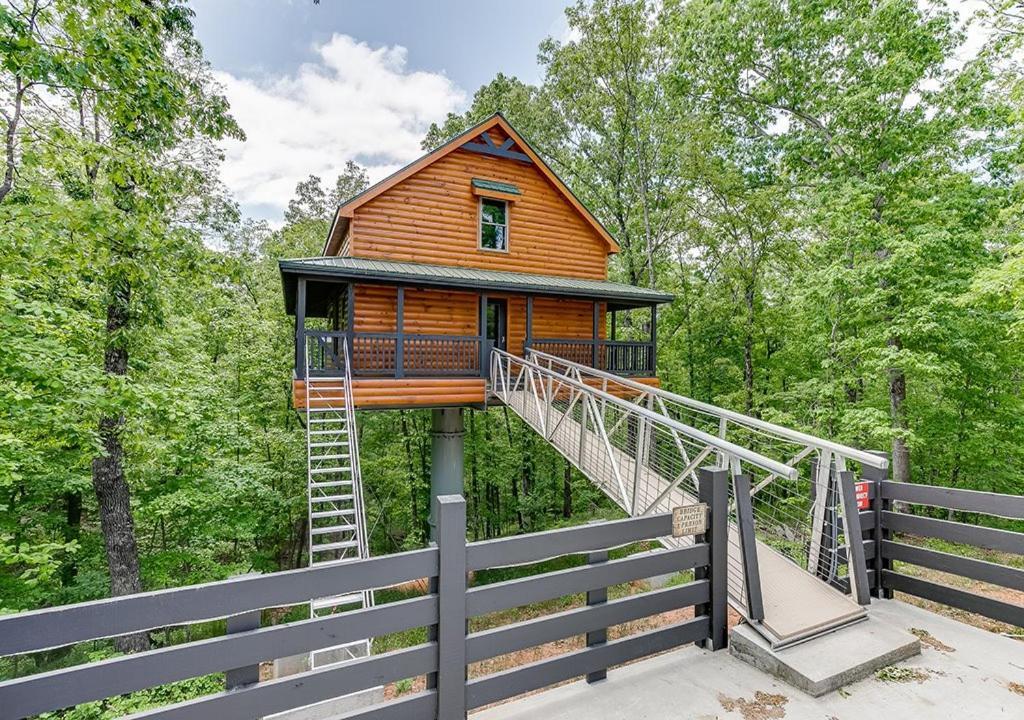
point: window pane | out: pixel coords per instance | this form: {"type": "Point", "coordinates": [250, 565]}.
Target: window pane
{"type": "Point", "coordinates": [493, 211]}
{"type": "Point", "coordinates": [492, 237]}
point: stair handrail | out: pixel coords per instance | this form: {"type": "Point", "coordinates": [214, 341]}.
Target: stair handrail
{"type": "Point", "coordinates": [765, 463]}
{"type": "Point", "coordinates": [861, 456]}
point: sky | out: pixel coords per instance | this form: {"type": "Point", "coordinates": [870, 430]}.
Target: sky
{"type": "Point", "coordinates": [314, 86]}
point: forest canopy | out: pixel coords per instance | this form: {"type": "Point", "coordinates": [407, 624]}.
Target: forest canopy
{"type": "Point", "coordinates": [832, 191]}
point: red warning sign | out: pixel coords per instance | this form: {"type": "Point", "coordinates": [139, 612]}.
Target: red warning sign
{"type": "Point", "coordinates": [863, 489]}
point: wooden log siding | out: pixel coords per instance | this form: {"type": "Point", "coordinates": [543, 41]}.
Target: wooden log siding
{"type": "Point", "coordinates": [433, 217]}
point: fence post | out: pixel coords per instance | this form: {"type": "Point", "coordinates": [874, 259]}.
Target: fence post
{"type": "Point", "coordinates": [878, 476]}
{"type": "Point", "coordinates": [249, 674]}
{"type": "Point", "coordinates": [597, 597]}
{"type": "Point", "coordinates": [451, 590]}
{"type": "Point", "coordinates": [748, 546]}
{"type": "Point", "coordinates": [856, 565]}
{"type": "Point", "coordinates": [714, 490]}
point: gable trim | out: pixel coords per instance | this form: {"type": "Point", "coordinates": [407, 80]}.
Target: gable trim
{"type": "Point", "coordinates": [465, 140]}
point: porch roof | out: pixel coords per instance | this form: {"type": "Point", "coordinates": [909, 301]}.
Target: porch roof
{"type": "Point", "coordinates": [349, 269]}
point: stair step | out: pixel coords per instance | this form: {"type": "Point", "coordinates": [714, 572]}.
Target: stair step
{"type": "Point", "coordinates": [324, 421]}
{"type": "Point", "coordinates": [330, 483]}
{"type": "Point", "coordinates": [325, 471]}
{"type": "Point", "coordinates": [324, 409]}
{"type": "Point", "coordinates": [336, 601]}
{"type": "Point", "coordinates": [333, 529]}
{"type": "Point", "coordinates": [330, 432]}
{"type": "Point", "coordinates": [321, 514]}
{"type": "Point", "coordinates": [329, 443]}
{"type": "Point", "coordinates": [343, 545]}
{"type": "Point", "coordinates": [330, 498]}
{"type": "Point", "coordinates": [342, 456]}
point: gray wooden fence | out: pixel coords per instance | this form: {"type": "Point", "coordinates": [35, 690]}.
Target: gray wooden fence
{"type": "Point", "coordinates": [889, 524]}
{"type": "Point", "coordinates": [443, 659]}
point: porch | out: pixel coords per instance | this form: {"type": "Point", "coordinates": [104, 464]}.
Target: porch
{"type": "Point", "coordinates": [412, 320]}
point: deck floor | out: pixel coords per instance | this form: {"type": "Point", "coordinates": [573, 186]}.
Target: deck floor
{"type": "Point", "coordinates": [796, 604]}
{"type": "Point", "coordinates": [963, 673]}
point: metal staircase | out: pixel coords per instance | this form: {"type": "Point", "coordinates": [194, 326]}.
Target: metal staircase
{"type": "Point", "coordinates": [337, 517]}
{"type": "Point", "coordinates": [642, 446]}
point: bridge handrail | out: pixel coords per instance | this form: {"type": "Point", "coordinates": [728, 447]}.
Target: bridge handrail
{"type": "Point", "coordinates": [754, 458]}
{"type": "Point", "coordinates": [861, 456]}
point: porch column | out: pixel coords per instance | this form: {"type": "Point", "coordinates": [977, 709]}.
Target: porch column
{"type": "Point", "coordinates": [483, 336]}
{"type": "Point", "coordinates": [350, 317]}
{"type": "Point", "coordinates": [446, 448]}
{"type": "Point", "coordinates": [597, 334]}
{"type": "Point", "coordinates": [300, 329]}
{"type": "Point", "coordinates": [652, 362]}
{"type": "Point", "coordinates": [615, 317]}
{"type": "Point", "coordinates": [400, 333]}
{"type": "Point", "coordinates": [529, 324]}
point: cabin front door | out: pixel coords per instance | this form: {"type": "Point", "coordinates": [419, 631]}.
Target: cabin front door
{"type": "Point", "coordinates": [496, 332]}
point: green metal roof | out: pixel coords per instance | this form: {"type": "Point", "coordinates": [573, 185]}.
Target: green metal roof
{"type": "Point", "coordinates": [345, 269]}
{"type": "Point", "coordinates": [496, 186]}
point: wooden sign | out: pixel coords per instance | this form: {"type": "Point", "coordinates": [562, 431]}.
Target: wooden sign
{"type": "Point", "coordinates": [689, 520]}
{"type": "Point", "coordinates": [863, 492]}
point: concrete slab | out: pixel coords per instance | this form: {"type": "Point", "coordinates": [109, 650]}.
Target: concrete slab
{"type": "Point", "coordinates": [831, 661]}
{"type": "Point", "coordinates": [977, 676]}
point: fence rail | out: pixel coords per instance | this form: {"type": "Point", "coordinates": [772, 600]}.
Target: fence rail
{"type": "Point", "coordinates": [444, 611]}
{"type": "Point", "coordinates": [889, 524]}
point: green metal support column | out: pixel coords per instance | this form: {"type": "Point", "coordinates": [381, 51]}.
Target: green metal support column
{"type": "Point", "coordinates": [446, 452]}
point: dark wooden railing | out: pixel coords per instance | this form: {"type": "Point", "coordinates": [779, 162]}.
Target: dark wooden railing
{"type": "Point", "coordinates": [382, 355]}
{"type": "Point", "coordinates": [622, 357]}
{"type": "Point", "coordinates": [444, 611]}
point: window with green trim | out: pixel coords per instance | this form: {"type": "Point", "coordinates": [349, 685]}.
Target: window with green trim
{"type": "Point", "coordinates": [493, 224]}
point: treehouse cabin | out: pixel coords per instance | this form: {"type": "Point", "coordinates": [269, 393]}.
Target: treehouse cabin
{"type": "Point", "coordinates": [477, 245]}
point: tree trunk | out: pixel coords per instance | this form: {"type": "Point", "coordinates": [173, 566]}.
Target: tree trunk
{"type": "Point", "coordinates": [897, 411]}
{"type": "Point", "coordinates": [567, 491]}
{"type": "Point", "coordinates": [474, 482]}
{"type": "Point", "coordinates": [108, 478]}
{"type": "Point", "coordinates": [748, 352]}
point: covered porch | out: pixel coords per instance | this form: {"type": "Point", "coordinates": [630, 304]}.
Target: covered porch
{"type": "Point", "coordinates": [412, 320]}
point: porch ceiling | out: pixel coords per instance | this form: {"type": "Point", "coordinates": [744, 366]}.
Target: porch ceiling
{"type": "Point", "coordinates": [349, 269]}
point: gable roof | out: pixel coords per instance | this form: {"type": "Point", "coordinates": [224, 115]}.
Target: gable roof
{"type": "Point", "coordinates": [346, 211]}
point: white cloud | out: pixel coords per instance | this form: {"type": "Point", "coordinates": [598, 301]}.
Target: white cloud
{"type": "Point", "coordinates": [354, 103]}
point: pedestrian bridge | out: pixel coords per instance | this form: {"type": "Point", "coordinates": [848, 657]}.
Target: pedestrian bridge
{"type": "Point", "coordinates": [642, 446]}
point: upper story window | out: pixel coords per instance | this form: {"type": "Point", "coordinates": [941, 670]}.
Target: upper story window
{"type": "Point", "coordinates": [493, 224]}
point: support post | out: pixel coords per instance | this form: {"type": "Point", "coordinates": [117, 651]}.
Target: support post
{"type": "Point", "coordinates": [529, 324]}
{"type": "Point", "coordinates": [249, 674]}
{"type": "Point", "coordinates": [748, 546]}
{"type": "Point", "coordinates": [400, 333]}
{"type": "Point", "coordinates": [878, 476]}
{"type": "Point", "coordinates": [350, 320]}
{"type": "Point", "coordinates": [856, 565]}
{"type": "Point", "coordinates": [446, 455]}
{"type": "Point", "coordinates": [597, 334]}
{"type": "Point", "coordinates": [615, 315]}
{"type": "Point", "coordinates": [652, 361]}
{"type": "Point", "coordinates": [300, 329]}
{"type": "Point", "coordinates": [451, 631]}
{"type": "Point", "coordinates": [714, 490]}
{"type": "Point", "coordinates": [483, 336]}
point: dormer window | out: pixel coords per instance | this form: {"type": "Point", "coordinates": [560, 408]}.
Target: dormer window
{"type": "Point", "coordinates": [493, 224]}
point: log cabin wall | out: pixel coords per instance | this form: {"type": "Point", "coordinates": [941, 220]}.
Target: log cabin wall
{"type": "Point", "coordinates": [433, 217]}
